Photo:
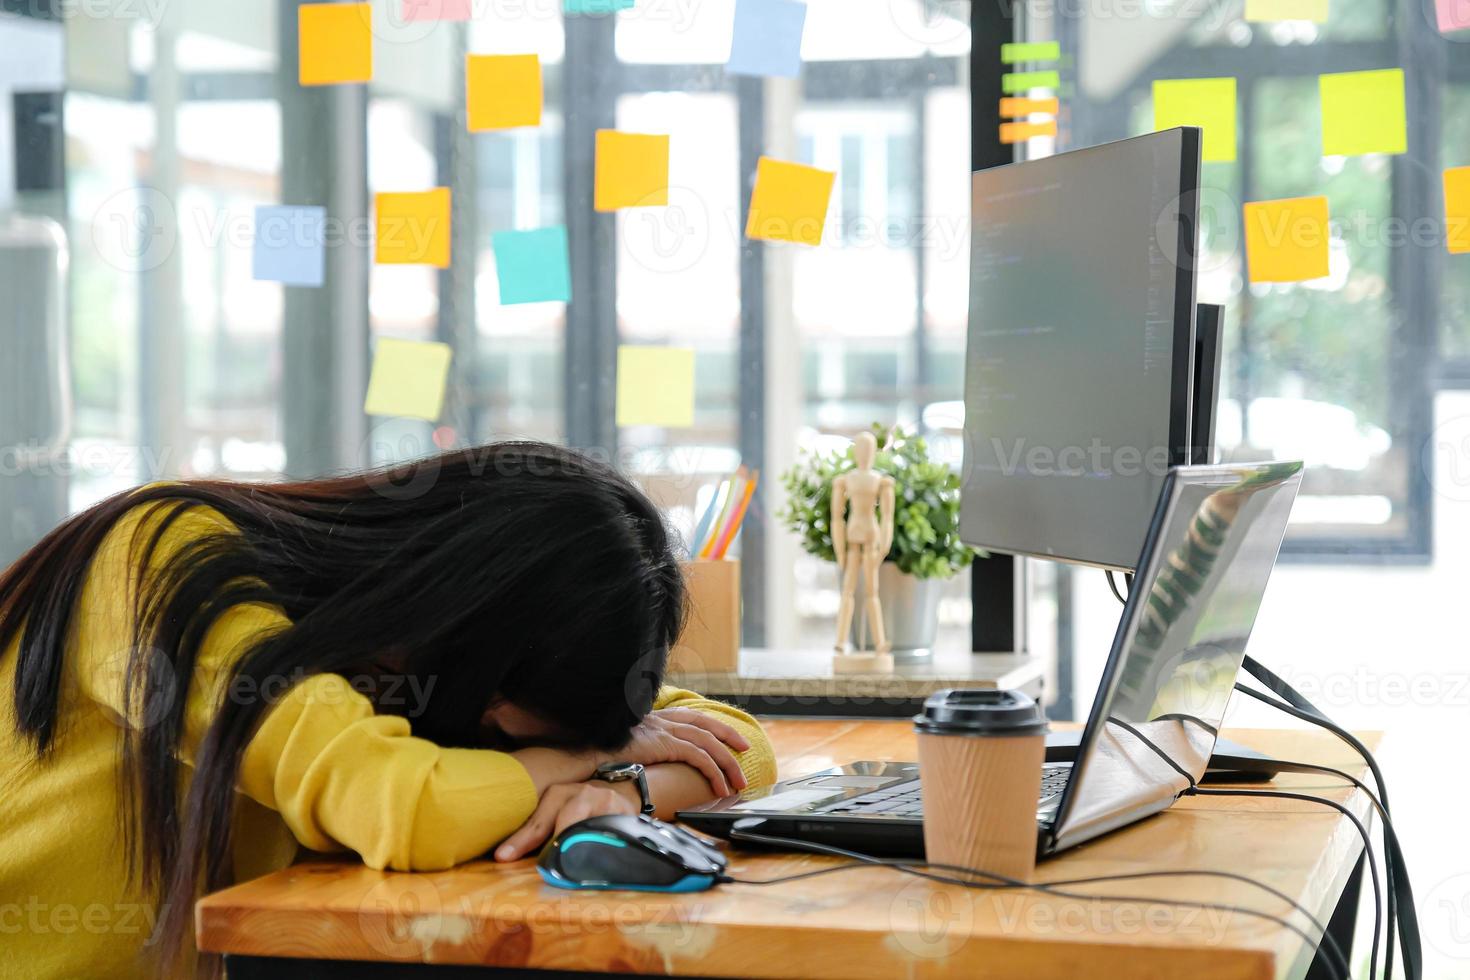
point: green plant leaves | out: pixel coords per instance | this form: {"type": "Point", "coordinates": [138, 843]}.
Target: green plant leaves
{"type": "Point", "coordinates": [926, 540]}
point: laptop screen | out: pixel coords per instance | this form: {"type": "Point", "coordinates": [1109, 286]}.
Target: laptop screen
{"type": "Point", "coordinates": [1203, 572]}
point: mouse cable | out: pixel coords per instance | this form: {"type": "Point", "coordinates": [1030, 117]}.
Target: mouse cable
{"type": "Point", "coordinates": [1401, 908]}
{"type": "Point", "coordinates": [1362, 832]}
{"type": "Point", "coordinates": [1337, 960]}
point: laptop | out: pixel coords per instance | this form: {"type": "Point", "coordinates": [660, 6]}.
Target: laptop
{"type": "Point", "coordinates": [1208, 554]}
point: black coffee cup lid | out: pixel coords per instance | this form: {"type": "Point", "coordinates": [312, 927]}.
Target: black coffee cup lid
{"type": "Point", "coordinates": [964, 711]}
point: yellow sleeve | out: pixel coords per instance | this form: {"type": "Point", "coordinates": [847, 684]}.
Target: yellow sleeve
{"type": "Point", "coordinates": [342, 776]}
{"type": "Point", "coordinates": [758, 762]}
{"type": "Point", "coordinates": [339, 775]}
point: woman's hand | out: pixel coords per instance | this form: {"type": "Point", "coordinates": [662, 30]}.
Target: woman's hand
{"type": "Point", "coordinates": [560, 807]}
{"type": "Point", "coordinates": [692, 737]}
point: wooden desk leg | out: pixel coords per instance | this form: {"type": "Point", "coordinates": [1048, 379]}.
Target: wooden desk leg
{"type": "Point", "coordinates": [1342, 925]}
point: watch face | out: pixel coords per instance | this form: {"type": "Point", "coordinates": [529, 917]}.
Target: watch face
{"type": "Point", "coordinates": [618, 770]}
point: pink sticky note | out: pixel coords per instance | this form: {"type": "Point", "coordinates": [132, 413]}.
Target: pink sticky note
{"type": "Point", "coordinates": [1454, 15]}
{"type": "Point", "coordinates": [414, 10]}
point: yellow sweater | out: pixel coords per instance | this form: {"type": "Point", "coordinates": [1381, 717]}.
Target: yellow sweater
{"type": "Point", "coordinates": [323, 772]}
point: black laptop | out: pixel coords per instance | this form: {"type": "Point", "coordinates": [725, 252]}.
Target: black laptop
{"type": "Point", "coordinates": [1208, 555]}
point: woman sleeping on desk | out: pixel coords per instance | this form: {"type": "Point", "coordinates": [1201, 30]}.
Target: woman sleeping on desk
{"type": "Point", "coordinates": [420, 666]}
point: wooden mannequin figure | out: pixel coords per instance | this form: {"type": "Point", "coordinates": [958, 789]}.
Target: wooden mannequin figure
{"type": "Point", "coordinates": [861, 538]}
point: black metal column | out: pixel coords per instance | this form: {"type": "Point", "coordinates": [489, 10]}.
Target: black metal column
{"type": "Point", "coordinates": [590, 100]}
{"type": "Point", "coordinates": [751, 364]}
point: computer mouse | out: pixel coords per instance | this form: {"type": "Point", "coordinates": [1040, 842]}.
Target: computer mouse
{"type": "Point", "coordinates": [630, 851]}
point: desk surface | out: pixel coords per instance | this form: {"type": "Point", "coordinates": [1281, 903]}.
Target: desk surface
{"type": "Point", "coordinates": [867, 922]}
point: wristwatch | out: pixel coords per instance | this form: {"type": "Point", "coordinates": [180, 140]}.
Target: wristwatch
{"type": "Point", "coordinates": [618, 772]}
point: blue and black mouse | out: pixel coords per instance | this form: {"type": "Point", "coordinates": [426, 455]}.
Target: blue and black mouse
{"type": "Point", "coordinates": [630, 851]}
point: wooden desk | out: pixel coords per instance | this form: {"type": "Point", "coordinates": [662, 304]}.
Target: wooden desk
{"type": "Point", "coordinates": [868, 922]}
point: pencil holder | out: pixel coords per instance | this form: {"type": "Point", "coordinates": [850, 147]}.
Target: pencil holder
{"type": "Point", "coordinates": [710, 643]}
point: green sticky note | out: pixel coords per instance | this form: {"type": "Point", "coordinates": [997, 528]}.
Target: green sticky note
{"type": "Point", "coordinates": [594, 7]}
{"type": "Point", "coordinates": [1208, 103]}
{"type": "Point", "coordinates": [532, 266]}
{"type": "Point", "coordinates": [655, 386]}
{"type": "Point", "coordinates": [1363, 112]}
{"type": "Point", "coordinates": [1023, 81]}
{"type": "Point", "coordinates": [1014, 53]}
{"type": "Point", "coordinates": [408, 380]}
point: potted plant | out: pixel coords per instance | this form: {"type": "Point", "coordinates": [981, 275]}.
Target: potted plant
{"type": "Point", "coordinates": [926, 545]}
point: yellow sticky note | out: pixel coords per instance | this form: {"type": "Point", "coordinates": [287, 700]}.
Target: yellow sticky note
{"type": "Point", "coordinates": [1457, 210]}
{"type": "Point", "coordinates": [789, 202]}
{"type": "Point", "coordinates": [336, 43]}
{"type": "Point", "coordinates": [502, 91]}
{"type": "Point", "coordinates": [1286, 240]}
{"type": "Point", "coordinates": [413, 229]}
{"type": "Point", "coordinates": [1267, 11]}
{"type": "Point", "coordinates": [408, 379]}
{"type": "Point", "coordinates": [656, 386]}
{"type": "Point", "coordinates": [632, 170]}
{"type": "Point", "coordinates": [1208, 103]}
{"type": "Point", "coordinates": [1363, 112]}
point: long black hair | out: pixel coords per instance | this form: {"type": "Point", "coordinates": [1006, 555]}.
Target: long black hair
{"type": "Point", "coordinates": [514, 571]}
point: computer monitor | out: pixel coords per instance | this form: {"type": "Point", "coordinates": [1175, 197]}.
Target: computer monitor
{"type": "Point", "coordinates": [1079, 367]}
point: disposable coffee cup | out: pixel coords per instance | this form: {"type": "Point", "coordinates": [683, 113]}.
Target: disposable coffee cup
{"type": "Point", "coordinates": [980, 759]}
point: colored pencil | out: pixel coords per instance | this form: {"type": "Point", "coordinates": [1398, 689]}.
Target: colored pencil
{"type": "Point", "coordinates": [704, 522]}
{"type": "Point", "coordinates": [738, 518]}
{"type": "Point", "coordinates": [735, 484]}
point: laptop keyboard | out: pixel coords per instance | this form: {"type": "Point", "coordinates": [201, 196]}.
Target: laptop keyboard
{"type": "Point", "coordinates": [904, 800]}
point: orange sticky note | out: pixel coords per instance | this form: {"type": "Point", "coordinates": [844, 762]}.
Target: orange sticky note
{"type": "Point", "coordinates": [413, 229]}
{"type": "Point", "coordinates": [408, 379]}
{"type": "Point", "coordinates": [1015, 132]}
{"type": "Point", "coordinates": [336, 43]}
{"type": "Point", "coordinates": [502, 91]}
{"type": "Point", "coordinates": [632, 170]}
{"type": "Point", "coordinates": [655, 386]}
{"type": "Point", "coordinates": [789, 202]}
{"type": "Point", "coordinates": [1457, 210]}
{"type": "Point", "coordinates": [1286, 240]}
{"type": "Point", "coordinates": [1014, 106]}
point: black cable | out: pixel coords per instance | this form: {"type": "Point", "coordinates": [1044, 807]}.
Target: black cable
{"type": "Point", "coordinates": [1362, 831]}
{"type": "Point", "coordinates": [1401, 910]}
{"type": "Point", "coordinates": [1002, 882]}
{"type": "Point", "coordinates": [1113, 584]}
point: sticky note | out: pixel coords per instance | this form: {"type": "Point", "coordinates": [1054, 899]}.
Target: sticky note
{"type": "Point", "coordinates": [1014, 106]}
{"type": "Point", "coordinates": [1452, 15]}
{"type": "Point", "coordinates": [1023, 81]}
{"type": "Point", "coordinates": [1015, 132]}
{"type": "Point", "coordinates": [336, 43]}
{"type": "Point", "coordinates": [1208, 103]}
{"type": "Point", "coordinates": [594, 6]}
{"type": "Point", "coordinates": [1457, 210]}
{"type": "Point", "coordinates": [767, 38]}
{"type": "Point", "coordinates": [408, 379]}
{"type": "Point", "coordinates": [1286, 240]}
{"type": "Point", "coordinates": [1363, 112]}
{"type": "Point", "coordinates": [452, 10]}
{"type": "Point", "coordinates": [502, 91]}
{"type": "Point", "coordinates": [290, 245]}
{"type": "Point", "coordinates": [1011, 54]}
{"type": "Point", "coordinates": [1267, 11]}
{"type": "Point", "coordinates": [413, 229]}
{"type": "Point", "coordinates": [656, 386]}
{"type": "Point", "coordinates": [532, 266]}
{"type": "Point", "coordinates": [632, 170]}
{"type": "Point", "coordinates": [789, 202]}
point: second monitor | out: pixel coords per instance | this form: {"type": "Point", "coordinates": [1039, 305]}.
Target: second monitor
{"type": "Point", "coordinates": [1079, 363]}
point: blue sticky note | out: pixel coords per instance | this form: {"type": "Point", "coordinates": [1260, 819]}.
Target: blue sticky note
{"type": "Point", "coordinates": [290, 245]}
{"type": "Point", "coordinates": [595, 6]}
{"type": "Point", "coordinates": [532, 266]}
{"type": "Point", "coordinates": [767, 38]}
